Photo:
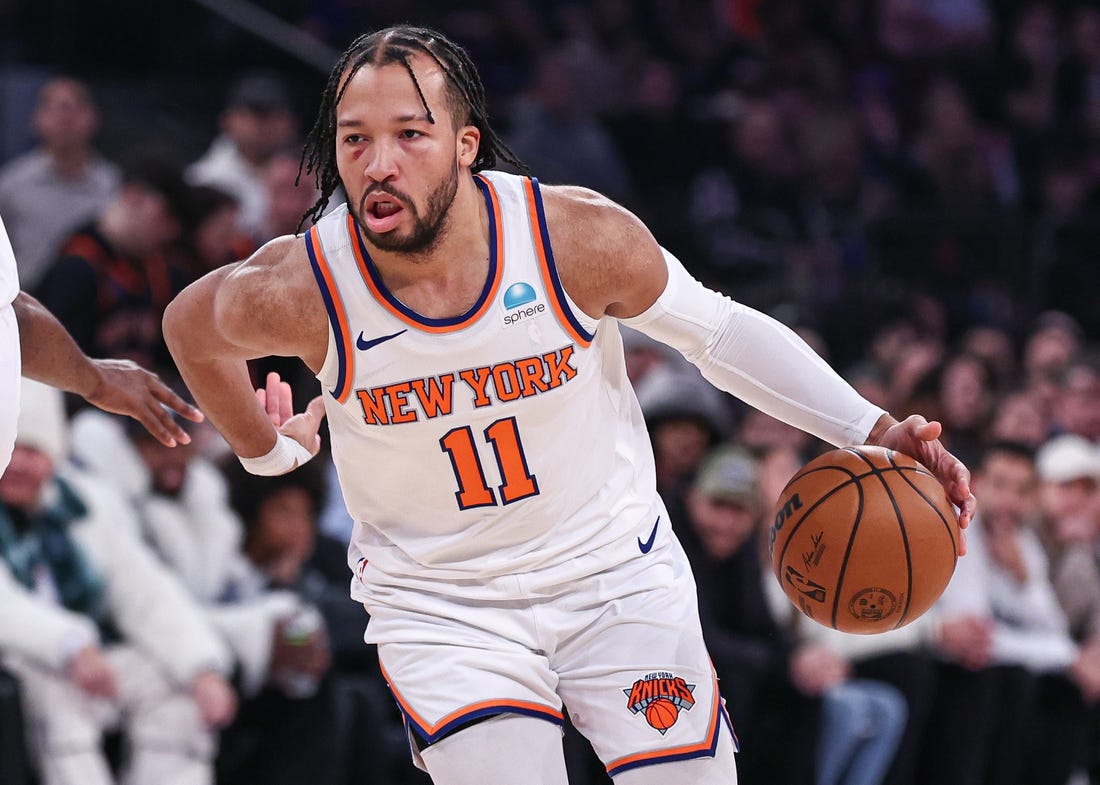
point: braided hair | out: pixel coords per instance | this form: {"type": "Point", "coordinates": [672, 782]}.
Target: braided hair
{"type": "Point", "coordinates": [463, 90]}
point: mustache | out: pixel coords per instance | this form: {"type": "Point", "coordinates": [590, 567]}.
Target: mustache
{"type": "Point", "coordinates": [386, 189]}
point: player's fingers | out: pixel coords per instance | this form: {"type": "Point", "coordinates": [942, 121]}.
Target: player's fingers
{"type": "Point", "coordinates": [261, 396]}
{"type": "Point", "coordinates": [160, 424]}
{"type": "Point", "coordinates": [169, 398]}
{"type": "Point", "coordinates": [923, 429]}
{"type": "Point", "coordinates": [271, 399]}
{"type": "Point", "coordinates": [286, 401]}
{"type": "Point", "coordinates": [316, 408]}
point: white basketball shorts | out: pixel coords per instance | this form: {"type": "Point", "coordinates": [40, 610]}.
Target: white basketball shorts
{"type": "Point", "coordinates": [621, 648]}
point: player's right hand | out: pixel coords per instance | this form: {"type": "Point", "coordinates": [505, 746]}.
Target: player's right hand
{"type": "Point", "coordinates": [278, 402]}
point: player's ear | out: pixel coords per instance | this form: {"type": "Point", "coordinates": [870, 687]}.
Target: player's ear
{"type": "Point", "coordinates": [469, 142]}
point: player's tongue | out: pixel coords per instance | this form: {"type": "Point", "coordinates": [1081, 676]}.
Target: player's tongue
{"type": "Point", "coordinates": [383, 215]}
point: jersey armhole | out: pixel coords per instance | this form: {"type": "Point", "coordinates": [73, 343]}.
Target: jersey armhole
{"type": "Point", "coordinates": [337, 368]}
{"type": "Point", "coordinates": [579, 325]}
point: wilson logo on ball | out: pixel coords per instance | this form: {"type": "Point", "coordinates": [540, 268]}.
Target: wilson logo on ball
{"type": "Point", "coordinates": [783, 514]}
{"type": "Point", "coordinates": [660, 697]}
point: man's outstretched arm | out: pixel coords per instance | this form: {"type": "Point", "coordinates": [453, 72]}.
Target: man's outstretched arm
{"type": "Point", "coordinates": [51, 356]}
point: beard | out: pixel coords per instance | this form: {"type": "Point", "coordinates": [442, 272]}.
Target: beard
{"type": "Point", "coordinates": [427, 230]}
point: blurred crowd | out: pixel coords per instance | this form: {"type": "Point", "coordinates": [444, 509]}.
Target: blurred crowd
{"type": "Point", "coordinates": [913, 186]}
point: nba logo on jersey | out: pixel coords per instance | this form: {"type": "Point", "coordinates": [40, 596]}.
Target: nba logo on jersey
{"type": "Point", "coordinates": [520, 303]}
{"type": "Point", "coordinates": [661, 697]}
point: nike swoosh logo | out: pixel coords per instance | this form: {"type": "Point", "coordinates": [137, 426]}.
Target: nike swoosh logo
{"type": "Point", "coordinates": [362, 345]}
{"type": "Point", "coordinates": [647, 546]}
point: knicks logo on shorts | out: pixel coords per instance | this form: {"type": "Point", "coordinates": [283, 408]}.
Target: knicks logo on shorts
{"type": "Point", "coordinates": [660, 697]}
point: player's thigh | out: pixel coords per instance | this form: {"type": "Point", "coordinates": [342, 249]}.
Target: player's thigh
{"type": "Point", "coordinates": [503, 750]}
{"type": "Point", "coordinates": [637, 680]}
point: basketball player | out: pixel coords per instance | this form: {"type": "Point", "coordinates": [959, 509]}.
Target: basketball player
{"type": "Point", "coordinates": [34, 344]}
{"type": "Point", "coordinates": [509, 542]}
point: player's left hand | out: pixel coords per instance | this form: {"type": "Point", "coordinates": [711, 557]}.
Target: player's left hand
{"type": "Point", "coordinates": [124, 387]}
{"type": "Point", "coordinates": [920, 439]}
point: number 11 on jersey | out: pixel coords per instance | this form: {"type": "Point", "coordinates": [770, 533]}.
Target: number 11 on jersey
{"type": "Point", "coordinates": [473, 489]}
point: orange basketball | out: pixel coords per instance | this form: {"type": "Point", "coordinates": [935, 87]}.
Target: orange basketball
{"type": "Point", "coordinates": [864, 539]}
{"type": "Point", "coordinates": [661, 714]}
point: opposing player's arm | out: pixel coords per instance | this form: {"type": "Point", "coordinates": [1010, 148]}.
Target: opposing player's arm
{"type": "Point", "coordinates": [265, 305]}
{"type": "Point", "coordinates": [51, 355]}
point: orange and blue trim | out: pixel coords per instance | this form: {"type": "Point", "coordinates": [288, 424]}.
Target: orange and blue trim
{"type": "Point", "coordinates": [704, 749]}
{"type": "Point", "coordinates": [337, 315]}
{"type": "Point", "coordinates": [433, 732]}
{"type": "Point", "coordinates": [373, 279]}
{"type": "Point", "coordinates": [541, 237]}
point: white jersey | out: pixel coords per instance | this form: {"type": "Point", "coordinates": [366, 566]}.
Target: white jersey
{"type": "Point", "coordinates": [500, 441]}
{"type": "Point", "coordinates": [9, 274]}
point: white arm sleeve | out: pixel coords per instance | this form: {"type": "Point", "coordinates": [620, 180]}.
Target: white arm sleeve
{"type": "Point", "coordinates": [754, 357]}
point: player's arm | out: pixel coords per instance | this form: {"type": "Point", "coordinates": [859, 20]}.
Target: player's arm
{"type": "Point", "coordinates": [265, 305]}
{"type": "Point", "coordinates": [50, 355]}
{"type": "Point", "coordinates": [611, 265]}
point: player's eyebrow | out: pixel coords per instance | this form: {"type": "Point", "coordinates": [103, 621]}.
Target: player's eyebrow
{"type": "Point", "coordinates": [352, 122]}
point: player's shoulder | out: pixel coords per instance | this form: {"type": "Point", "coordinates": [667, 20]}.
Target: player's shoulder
{"type": "Point", "coordinates": [593, 220]}
{"type": "Point", "coordinates": [281, 263]}
{"type": "Point", "coordinates": [602, 250]}
{"type": "Point", "coordinates": [286, 249]}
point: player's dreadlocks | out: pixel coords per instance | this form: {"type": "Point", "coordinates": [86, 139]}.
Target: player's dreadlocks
{"type": "Point", "coordinates": [464, 91]}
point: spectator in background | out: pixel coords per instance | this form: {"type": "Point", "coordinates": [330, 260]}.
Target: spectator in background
{"type": "Point", "coordinates": [183, 507]}
{"type": "Point", "coordinates": [1020, 417]}
{"type": "Point", "coordinates": [1011, 695]}
{"type": "Point", "coordinates": [112, 280]}
{"type": "Point", "coordinates": [258, 120]}
{"type": "Point", "coordinates": [1053, 341]}
{"type": "Point", "coordinates": [754, 656]}
{"type": "Point", "coordinates": [1069, 468]}
{"type": "Point", "coordinates": [651, 122]}
{"type": "Point", "coordinates": [287, 551]}
{"type": "Point", "coordinates": [212, 235]}
{"type": "Point", "coordinates": [1078, 405]}
{"type": "Point", "coordinates": [685, 418]}
{"type": "Point", "coordinates": [960, 168]}
{"type": "Point", "coordinates": [967, 394]}
{"type": "Point", "coordinates": [288, 198]}
{"type": "Point", "coordinates": [559, 141]}
{"type": "Point", "coordinates": [1030, 89]}
{"type": "Point", "coordinates": [748, 208]}
{"type": "Point", "coordinates": [49, 192]}
{"type": "Point", "coordinates": [994, 346]}
{"type": "Point", "coordinates": [96, 630]}
{"type": "Point", "coordinates": [1081, 70]}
